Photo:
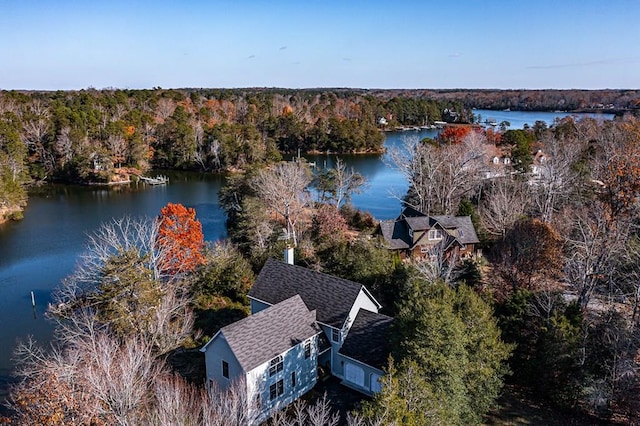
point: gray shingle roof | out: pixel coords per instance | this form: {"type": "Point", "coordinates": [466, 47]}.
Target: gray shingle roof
{"type": "Point", "coordinates": [464, 230]}
{"type": "Point", "coordinates": [396, 232]}
{"type": "Point", "coordinates": [393, 234]}
{"type": "Point", "coordinates": [368, 339]}
{"type": "Point", "coordinates": [330, 296]}
{"type": "Point", "coordinates": [268, 333]}
{"type": "Point", "coordinates": [420, 223]}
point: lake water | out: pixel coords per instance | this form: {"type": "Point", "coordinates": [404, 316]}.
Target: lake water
{"type": "Point", "coordinates": [37, 252]}
{"type": "Point", "coordinates": [518, 119]}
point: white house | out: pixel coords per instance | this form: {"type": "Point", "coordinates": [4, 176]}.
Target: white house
{"type": "Point", "coordinates": [274, 353]}
{"type": "Point", "coordinates": [301, 321]}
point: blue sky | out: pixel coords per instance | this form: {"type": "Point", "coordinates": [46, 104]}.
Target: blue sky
{"type": "Point", "coordinates": [559, 44]}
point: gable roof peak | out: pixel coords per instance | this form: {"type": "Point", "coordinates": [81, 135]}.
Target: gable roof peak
{"type": "Point", "coordinates": [330, 296]}
{"type": "Point", "coordinates": [258, 338]}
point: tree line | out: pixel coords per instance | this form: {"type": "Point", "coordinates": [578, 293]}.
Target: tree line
{"type": "Point", "coordinates": [103, 136]}
{"type": "Point", "coordinates": [607, 100]}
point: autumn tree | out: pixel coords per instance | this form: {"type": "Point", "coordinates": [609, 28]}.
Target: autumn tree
{"type": "Point", "coordinates": [617, 165]}
{"type": "Point", "coordinates": [180, 235]}
{"type": "Point", "coordinates": [328, 224]}
{"type": "Point", "coordinates": [454, 134]}
{"type": "Point", "coordinates": [529, 255]}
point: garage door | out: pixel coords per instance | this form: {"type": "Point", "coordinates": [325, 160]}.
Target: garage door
{"type": "Point", "coordinates": [354, 374]}
{"type": "Point", "coordinates": [375, 383]}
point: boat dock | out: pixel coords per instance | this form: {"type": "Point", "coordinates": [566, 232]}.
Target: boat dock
{"type": "Point", "coordinates": [158, 180]}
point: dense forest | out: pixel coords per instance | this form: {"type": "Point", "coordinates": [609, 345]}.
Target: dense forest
{"type": "Point", "coordinates": [617, 101]}
{"type": "Point", "coordinates": [110, 136]}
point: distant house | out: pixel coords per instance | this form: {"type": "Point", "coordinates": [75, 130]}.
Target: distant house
{"type": "Point", "coordinates": [302, 323]}
{"type": "Point", "coordinates": [538, 166]}
{"type": "Point", "coordinates": [414, 234]}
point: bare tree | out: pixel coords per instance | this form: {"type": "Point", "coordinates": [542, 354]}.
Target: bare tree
{"type": "Point", "coordinates": [36, 127]}
{"type": "Point", "coordinates": [557, 176]}
{"type": "Point", "coordinates": [627, 275]}
{"type": "Point", "coordinates": [177, 402]}
{"type": "Point", "coordinates": [320, 414]}
{"type": "Point", "coordinates": [419, 164]}
{"type": "Point", "coordinates": [232, 406]}
{"type": "Point", "coordinates": [120, 376]}
{"type": "Point", "coordinates": [594, 243]}
{"type": "Point", "coordinates": [345, 183]}
{"type": "Point", "coordinates": [165, 108]}
{"type": "Point", "coordinates": [503, 204]}
{"type": "Point", "coordinates": [64, 146]}
{"type": "Point", "coordinates": [283, 188]}
{"type": "Point", "coordinates": [439, 176]}
{"type": "Point", "coordinates": [152, 303]}
{"type": "Point", "coordinates": [117, 146]}
{"type": "Point", "coordinates": [440, 265]}
{"type": "Point", "coordinates": [302, 414]}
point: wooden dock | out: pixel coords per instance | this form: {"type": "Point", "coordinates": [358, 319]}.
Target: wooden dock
{"type": "Point", "coordinates": [158, 180]}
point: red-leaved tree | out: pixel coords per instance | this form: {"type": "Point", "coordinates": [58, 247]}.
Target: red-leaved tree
{"type": "Point", "coordinates": [180, 235]}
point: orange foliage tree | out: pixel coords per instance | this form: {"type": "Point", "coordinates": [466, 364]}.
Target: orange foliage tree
{"type": "Point", "coordinates": [180, 235]}
{"type": "Point", "coordinates": [454, 134]}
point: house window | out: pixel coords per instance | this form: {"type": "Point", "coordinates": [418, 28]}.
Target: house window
{"type": "Point", "coordinates": [335, 335]}
{"type": "Point", "coordinates": [276, 389]}
{"type": "Point", "coordinates": [276, 365]}
{"type": "Point", "coordinates": [293, 379]}
{"type": "Point", "coordinates": [410, 232]}
{"type": "Point", "coordinates": [461, 232]}
{"type": "Point", "coordinates": [225, 369]}
{"type": "Point", "coordinates": [435, 234]}
{"type": "Point", "coordinates": [307, 350]}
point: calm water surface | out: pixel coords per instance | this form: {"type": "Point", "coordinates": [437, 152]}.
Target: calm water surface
{"type": "Point", "coordinates": [40, 250]}
{"type": "Point", "coordinates": [518, 119]}
{"type": "Point", "coordinates": [37, 252]}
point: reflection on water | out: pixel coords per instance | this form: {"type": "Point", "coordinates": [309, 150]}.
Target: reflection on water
{"type": "Point", "coordinates": [39, 251]}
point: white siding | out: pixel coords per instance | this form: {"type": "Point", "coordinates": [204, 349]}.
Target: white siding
{"type": "Point", "coordinates": [363, 384]}
{"type": "Point", "coordinates": [363, 301]}
{"type": "Point", "coordinates": [217, 351]}
{"type": "Point", "coordinates": [306, 369]}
